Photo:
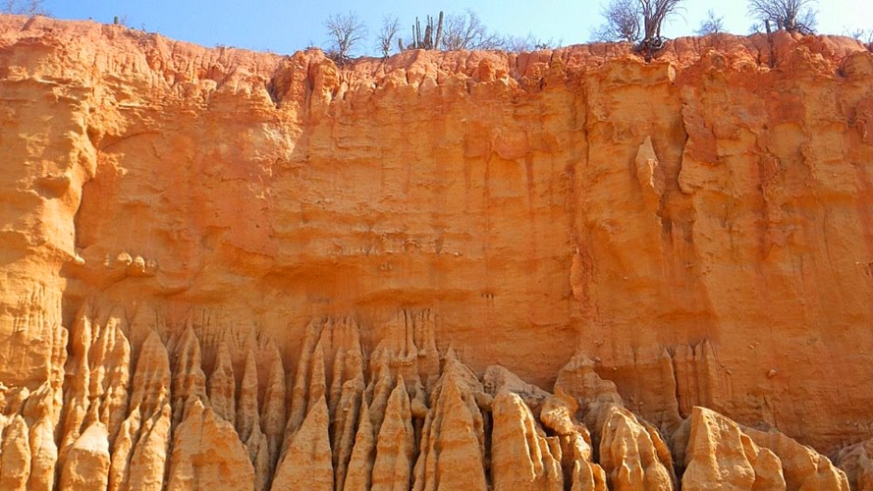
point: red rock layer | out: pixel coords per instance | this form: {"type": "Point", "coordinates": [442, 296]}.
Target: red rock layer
{"type": "Point", "coordinates": [218, 263]}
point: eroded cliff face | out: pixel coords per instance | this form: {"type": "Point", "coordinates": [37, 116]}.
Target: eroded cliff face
{"type": "Point", "coordinates": [440, 271]}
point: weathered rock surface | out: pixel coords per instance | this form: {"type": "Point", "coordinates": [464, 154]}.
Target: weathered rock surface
{"type": "Point", "coordinates": [208, 454]}
{"type": "Point", "coordinates": [632, 454]}
{"type": "Point", "coordinates": [857, 461]}
{"type": "Point", "coordinates": [395, 447]}
{"type": "Point", "coordinates": [568, 269]}
{"type": "Point", "coordinates": [87, 464]}
{"type": "Point", "coordinates": [522, 456]}
{"type": "Point", "coordinates": [803, 468]}
{"type": "Point", "coordinates": [720, 456]}
{"type": "Point", "coordinates": [307, 464]}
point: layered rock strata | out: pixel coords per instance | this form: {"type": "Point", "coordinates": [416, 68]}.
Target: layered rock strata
{"type": "Point", "coordinates": [567, 269]}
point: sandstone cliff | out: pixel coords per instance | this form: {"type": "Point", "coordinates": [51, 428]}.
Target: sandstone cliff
{"type": "Point", "coordinates": [561, 270]}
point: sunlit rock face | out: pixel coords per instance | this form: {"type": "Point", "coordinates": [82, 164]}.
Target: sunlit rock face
{"type": "Point", "coordinates": [569, 269]}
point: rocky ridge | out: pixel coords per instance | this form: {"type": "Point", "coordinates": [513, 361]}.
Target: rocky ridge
{"type": "Point", "coordinates": [558, 270]}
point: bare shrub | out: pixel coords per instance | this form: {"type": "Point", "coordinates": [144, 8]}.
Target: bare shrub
{"type": "Point", "coordinates": [528, 43]}
{"type": "Point", "coordinates": [788, 15]}
{"type": "Point", "coordinates": [387, 34]}
{"type": "Point", "coordinates": [712, 24]}
{"type": "Point", "coordinates": [622, 22]}
{"type": "Point", "coordinates": [466, 31]}
{"type": "Point", "coordinates": [864, 36]}
{"type": "Point", "coordinates": [345, 32]}
{"type": "Point", "coordinates": [22, 7]}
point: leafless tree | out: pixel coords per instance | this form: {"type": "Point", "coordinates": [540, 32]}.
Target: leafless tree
{"type": "Point", "coordinates": [789, 15]}
{"type": "Point", "coordinates": [865, 36]}
{"type": "Point", "coordinates": [528, 43]}
{"type": "Point", "coordinates": [622, 22]}
{"type": "Point", "coordinates": [22, 7]}
{"type": "Point", "coordinates": [712, 24]}
{"type": "Point", "coordinates": [344, 32]}
{"type": "Point", "coordinates": [654, 13]}
{"type": "Point", "coordinates": [466, 31]}
{"type": "Point", "coordinates": [387, 34]}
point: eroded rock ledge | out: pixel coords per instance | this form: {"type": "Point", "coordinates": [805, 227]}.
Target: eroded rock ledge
{"type": "Point", "coordinates": [193, 412]}
{"type": "Point", "coordinates": [559, 270]}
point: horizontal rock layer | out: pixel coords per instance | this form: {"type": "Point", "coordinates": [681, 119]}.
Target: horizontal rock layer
{"type": "Point", "coordinates": [569, 269]}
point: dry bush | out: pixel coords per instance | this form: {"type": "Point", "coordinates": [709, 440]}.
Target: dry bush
{"type": "Point", "coordinates": [386, 35]}
{"type": "Point", "coordinates": [712, 24]}
{"type": "Point", "coordinates": [345, 32]}
{"type": "Point", "coordinates": [788, 15]}
{"type": "Point", "coordinates": [622, 22]}
{"type": "Point", "coordinates": [22, 7]}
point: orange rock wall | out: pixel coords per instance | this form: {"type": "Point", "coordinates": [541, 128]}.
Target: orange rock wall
{"type": "Point", "coordinates": [697, 230]}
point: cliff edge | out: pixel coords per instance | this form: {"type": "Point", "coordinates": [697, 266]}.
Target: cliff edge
{"type": "Point", "coordinates": [566, 269]}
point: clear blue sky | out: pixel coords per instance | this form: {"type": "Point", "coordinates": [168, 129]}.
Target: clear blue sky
{"type": "Point", "coordinates": [284, 26]}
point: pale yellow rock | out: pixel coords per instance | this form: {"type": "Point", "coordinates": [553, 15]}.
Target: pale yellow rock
{"type": "Point", "coordinates": [307, 462]}
{"type": "Point", "coordinates": [348, 411]}
{"type": "Point", "coordinates": [409, 342]}
{"type": "Point", "coordinates": [452, 443]}
{"type": "Point", "coordinates": [318, 381]}
{"type": "Point", "coordinates": [419, 402]}
{"type": "Point", "coordinates": [248, 424]}
{"type": "Point", "coordinates": [40, 414]}
{"type": "Point", "coordinates": [189, 381]}
{"type": "Point", "coordinates": [139, 456]}
{"type": "Point", "coordinates": [97, 374]}
{"type": "Point", "coordinates": [150, 389]}
{"type": "Point", "coordinates": [498, 378]}
{"type": "Point", "coordinates": [149, 458]}
{"type": "Point", "coordinates": [259, 454]}
{"type": "Point", "coordinates": [114, 404]}
{"type": "Point", "coordinates": [586, 476]}
{"type": "Point", "coordinates": [222, 386]}
{"type": "Point", "coordinates": [424, 326]}
{"type": "Point", "coordinates": [87, 463]}
{"type": "Point", "coordinates": [15, 456]}
{"type": "Point", "coordinates": [207, 454]}
{"type": "Point", "coordinates": [273, 409]}
{"type": "Point", "coordinates": [804, 469]}
{"type": "Point", "coordinates": [522, 457]}
{"type": "Point", "coordinates": [700, 378]}
{"type": "Point", "coordinates": [118, 468]}
{"type": "Point", "coordinates": [346, 391]}
{"type": "Point", "coordinates": [392, 469]}
{"type": "Point", "coordinates": [247, 414]}
{"type": "Point", "coordinates": [579, 380]}
{"type": "Point", "coordinates": [629, 455]}
{"type": "Point", "coordinates": [347, 362]}
{"type": "Point", "coordinates": [79, 373]}
{"type": "Point", "coordinates": [558, 414]}
{"type": "Point", "coordinates": [360, 469]}
{"type": "Point", "coordinates": [380, 390]}
{"type": "Point", "coordinates": [720, 456]}
{"type": "Point", "coordinates": [304, 380]}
